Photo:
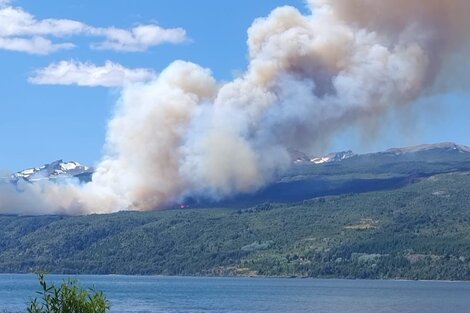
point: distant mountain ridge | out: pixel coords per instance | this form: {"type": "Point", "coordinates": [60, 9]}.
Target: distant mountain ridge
{"type": "Point", "coordinates": [310, 177]}
{"type": "Point", "coordinates": [61, 169]}
{"type": "Point", "coordinates": [450, 146]}
{"type": "Point", "coordinates": [301, 157]}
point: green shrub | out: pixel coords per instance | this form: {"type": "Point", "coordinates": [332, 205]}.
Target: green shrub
{"type": "Point", "coordinates": [68, 298]}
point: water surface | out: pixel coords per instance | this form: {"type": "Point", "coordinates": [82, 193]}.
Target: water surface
{"type": "Point", "coordinates": [203, 294]}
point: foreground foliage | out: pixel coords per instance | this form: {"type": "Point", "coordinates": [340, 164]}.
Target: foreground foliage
{"type": "Point", "coordinates": [68, 298]}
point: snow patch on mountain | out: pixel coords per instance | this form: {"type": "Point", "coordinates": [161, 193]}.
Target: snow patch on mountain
{"type": "Point", "coordinates": [333, 157]}
{"type": "Point", "coordinates": [57, 169]}
{"type": "Point", "coordinates": [300, 157]}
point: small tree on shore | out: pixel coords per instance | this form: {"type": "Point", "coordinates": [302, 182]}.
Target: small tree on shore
{"type": "Point", "coordinates": [70, 297]}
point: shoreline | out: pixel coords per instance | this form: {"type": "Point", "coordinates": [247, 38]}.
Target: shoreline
{"type": "Point", "coordinates": [245, 277]}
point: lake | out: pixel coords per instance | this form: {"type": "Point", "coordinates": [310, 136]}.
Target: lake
{"type": "Point", "coordinates": [204, 294]}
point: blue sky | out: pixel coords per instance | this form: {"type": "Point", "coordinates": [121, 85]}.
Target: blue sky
{"type": "Point", "coordinates": [40, 123]}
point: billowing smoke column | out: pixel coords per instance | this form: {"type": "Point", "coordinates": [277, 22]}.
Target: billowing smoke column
{"type": "Point", "coordinates": [308, 77]}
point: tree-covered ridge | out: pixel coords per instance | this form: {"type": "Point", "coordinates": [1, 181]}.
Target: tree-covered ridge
{"type": "Point", "coordinates": [394, 168]}
{"type": "Point", "coordinates": [421, 231]}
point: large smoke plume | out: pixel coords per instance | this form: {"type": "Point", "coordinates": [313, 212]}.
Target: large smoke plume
{"type": "Point", "coordinates": [308, 77]}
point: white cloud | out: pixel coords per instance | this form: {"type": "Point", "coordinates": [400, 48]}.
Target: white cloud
{"type": "Point", "coordinates": [139, 38]}
{"type": "Point", "coordinates": [34, 45]}
{"type": "Point", "coordinates": [21, 31]}
{"type": "Point", "coordinates": [88, 74]}
{"type": "Point", "coordinates": [17, 22]}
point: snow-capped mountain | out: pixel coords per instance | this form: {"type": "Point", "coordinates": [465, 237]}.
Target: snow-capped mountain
{"type": "Point", "coordinates": [333, 157]}
{"type": "Point", "coordinates": [55, 170]}
{"type": "Point", "coordinates": [301, 157]}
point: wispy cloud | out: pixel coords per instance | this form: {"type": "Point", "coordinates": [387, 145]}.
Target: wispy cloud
{"type": "Point", "coordinates": [88, 74]}
{"type": "Point", "coordinates": [138, 38]}
{"type": "Point", "coordinates": [34, 45]}
{"type": "Point", "coordinates": [21, 31]}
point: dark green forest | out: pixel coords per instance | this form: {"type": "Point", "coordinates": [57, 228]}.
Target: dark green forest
{"type": "Point", "coordinates": [419, 231]}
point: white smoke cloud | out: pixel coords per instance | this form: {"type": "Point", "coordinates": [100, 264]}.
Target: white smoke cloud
{"type": "Point", "coordinates": [87, 74]}
{"type": "Point", "coordinates": [308, 77]}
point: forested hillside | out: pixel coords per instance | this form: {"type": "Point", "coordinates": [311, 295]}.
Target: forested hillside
{"type": "Point", "coordinates": [421, 231]}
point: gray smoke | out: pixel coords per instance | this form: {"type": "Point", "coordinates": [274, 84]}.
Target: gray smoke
{"type": "Point", "coordinates": [308, 77]}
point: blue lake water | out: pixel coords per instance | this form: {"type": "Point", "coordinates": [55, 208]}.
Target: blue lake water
{"type": "Point", "coordinates": [201, 294]}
